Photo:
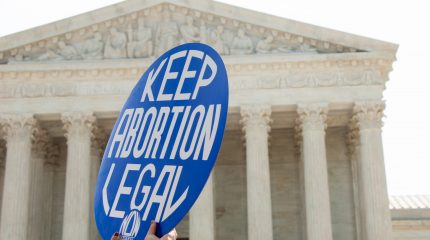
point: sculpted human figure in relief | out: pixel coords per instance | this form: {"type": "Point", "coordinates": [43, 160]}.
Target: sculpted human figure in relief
{"type": "Point", "coordinates": [64, 52]}
{"type": "Point", "coordinates": [140, 41]}
{"type": "Point", "coordinates": [189, 32]}
{"type": "Point", "coordinates": [217, 42]}
{"type": "Point", "coordinates": [93, 48]}
{"type": "Point", "coordinates": [167, 33]}
{"type": "Point", "coordinates": [241, 44]}
{"type": "Point", "coordinates": [265, 45]}
{"type": "Point", "coordinates": [115, 44]}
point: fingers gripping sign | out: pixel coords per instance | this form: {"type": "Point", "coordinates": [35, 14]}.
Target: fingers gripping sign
{"type": "Point", "coordinates": [163, 145]}
{"type": "Point", "coordinates": [172, 235]}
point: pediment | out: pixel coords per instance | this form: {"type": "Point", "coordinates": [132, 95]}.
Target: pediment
{"type": "Point", "coordinates": [143, 29]}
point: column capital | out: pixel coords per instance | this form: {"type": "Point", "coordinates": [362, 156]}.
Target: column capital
{"type": "Point", "coordinates": [40, 141]}
{"type": "Point", "coordinates": [2, 154]}
{"type": "Point", "coordinates": [312, 116]}
{"type": "Point", "coordinates": [368, 114]}
{"type": "Point", "coordinates": [99, 139]}
{"type": "Point", "coordinates": [352, 137]}
{"type": "Point", "coordinates": [53, 152]}
{"type": "Point", "coordinates": [74, 121]}
{"type": "Point", "coordinates": [255, 115]}
{"type": "Point", "coordinates": [12, 123]}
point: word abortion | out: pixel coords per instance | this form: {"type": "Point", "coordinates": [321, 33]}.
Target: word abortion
{"type": "Point", "coordinates": [130, 132]}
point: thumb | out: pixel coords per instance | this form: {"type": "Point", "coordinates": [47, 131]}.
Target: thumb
{"type": "Point", "coordinates": [152, 228]}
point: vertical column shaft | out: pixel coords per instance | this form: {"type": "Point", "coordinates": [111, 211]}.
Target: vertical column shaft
{"type": "Point", "coordinates": [311, 123]}
{"type": "Point", "coordinates": [38, 185]}
{"type": "Point", "coordinates": [76, 221]}
{"type": "Point", "coordinates": [256, 120]}
{"type": "Point", "coordinates": [376, 219]}
{"type": "Point", "coordinates": [16, 192]}
{"type": "Point", "coordinates": [202, 214]}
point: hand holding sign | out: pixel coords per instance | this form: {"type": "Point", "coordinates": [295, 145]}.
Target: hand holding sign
{"type": "Point", "coordinates": [164, 143]}
{"type": "Point", "coordinates": [172, 235]}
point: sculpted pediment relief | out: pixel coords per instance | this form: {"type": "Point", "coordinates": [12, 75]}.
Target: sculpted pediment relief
{"type": "Point", "coordinates": [151, 31]}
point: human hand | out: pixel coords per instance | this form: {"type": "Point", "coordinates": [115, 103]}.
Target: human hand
{"type": "Point", "coordinates": [115, 236]}
{"type": "Point", "coordinates": [151, 233]}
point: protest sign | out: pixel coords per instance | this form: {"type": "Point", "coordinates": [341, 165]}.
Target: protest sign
{"type": "Point", "coordinates": [164, 144]}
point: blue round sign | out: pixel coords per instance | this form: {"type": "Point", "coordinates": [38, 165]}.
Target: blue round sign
{"type": "Point", "coordinates": [164, 143]}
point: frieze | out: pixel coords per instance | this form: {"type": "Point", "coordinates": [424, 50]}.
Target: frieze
{"type": "Point", "coordinates": [282, 80]}
{"type": "Point", "coordinates": [151, 31]}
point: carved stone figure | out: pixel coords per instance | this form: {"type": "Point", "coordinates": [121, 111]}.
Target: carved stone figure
{"type": "Point", "coordinates": [93, 48]}
{"type": "Point", "coordinates": [64, 52]}
{"type": "Point", "coordinates": [217, 41]}
{"type": "Point", "coordinates": [265, 45]}
{"type": "Point", "coordinates": [140, 41]}
{"type": "Point", "coordinates": [116, 44]}
{"type": "Point", "coordinates": [241, 44]}
{"type": "Point", "coordinates": [167, 33]}
{"type": "Point", "coordinates": [305, 48]}
{"type": "Point", "coordinates": [297, 48]}
{"type": "Point", "coordinates": [203, 33]}
{"type": "Point", "coordinates": [189, 32]}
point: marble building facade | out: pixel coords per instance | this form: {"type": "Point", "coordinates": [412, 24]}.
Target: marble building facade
{"type": "Point", "coordinates": [302, 156]}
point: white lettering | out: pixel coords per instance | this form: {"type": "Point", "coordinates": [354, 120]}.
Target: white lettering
{"type": "Point", "coordinates": [208, 132]}
{"type": "Point", "coordinates": [169, 75]}
{"type": "Point", "coordinates": [145, 189]}
{"type": "Point", "coordinates": [160, 199]}
{"type": "Point", "coordinates": [119, 137]}
{"type": "Point", "coordinates": [147, 91]}
{"type": "Point", "coordinates": [187, 74]}
{"type": "Point", "coordinates": [183, 153]}
{"type": "Point", "coordinates": [122, 190]}
{"type": "Point", "coordinates": [201, 81]}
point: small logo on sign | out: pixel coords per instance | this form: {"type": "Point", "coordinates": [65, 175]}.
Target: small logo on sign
{"type": "Point", "coordinates": [130, 226]}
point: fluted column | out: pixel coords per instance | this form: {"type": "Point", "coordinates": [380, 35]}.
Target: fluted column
{"type": "Point", "coordinates": [14, 215]}
{"type": "Point", "coordinates": [311, 127]}
{"type": "Point", "coordinates": [375, 213]}
{"type": "Point", "coordinates": [37, 185]}
{"type": "Point", "coordinates": [2, 165]}
{"type": "Point", "coordinates": [256, 120]}
{"type": "Point", "coordinates": [50, 165]}
{"type": "Point", "coordinates": [202, 214]}
{"type": "Point", "coordinates": [99, 141]}
{"type": "Point", "coordinates": [76, 221]}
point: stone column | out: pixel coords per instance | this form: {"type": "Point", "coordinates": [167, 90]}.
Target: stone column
{"type": "Point", "coordinates": [14, 216]}
{"type": "Point", "coordinates": [76, 221]}
{"type": "Point", "coordinates": [2, 165]}
{"type": "Point", "coordinates": [256, 120]}
{"type": "Point", "coordinates": [311, 126]}
{"type": "Point", "coordinates": [37, 185]}
{"type": "Point", "coordinates": [376, 219]}
{"type": "Point", "coordinates": [99, 141]}
{"type": "Point", "coordinates": [202, 214]}
{"type": "Point", "coordinates": [50, 166]}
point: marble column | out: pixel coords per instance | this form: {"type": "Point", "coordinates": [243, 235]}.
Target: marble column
{"type": "Point", "coordinates": [256, 120]}
{"type": "Point", "coordinates": [2, 165]}
{"type": "Point", "coordinates": [311, 124]}
{"type": "Point", "coordinates": [373, 197]}
{"type": "Point", "coordinates": [50, 166]}
{"type": "Point", "coordinates": [37, 185]}
{"type": "Point", "coordinates": [16, 192]}
{"type": "Point", "coordinates": [99, 141]}
{"type": "Point", "coordinates": [76, 220]}
{"type": "Point", "coordinates": [202, 214]}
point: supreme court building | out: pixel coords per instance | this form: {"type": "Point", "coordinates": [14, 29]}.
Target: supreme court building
{"type": "Point", "coordinates": [302, 156]}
